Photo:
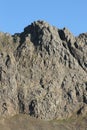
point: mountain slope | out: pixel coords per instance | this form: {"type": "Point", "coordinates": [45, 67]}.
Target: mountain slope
{"type": "Point", "coordinates": [43, 73]}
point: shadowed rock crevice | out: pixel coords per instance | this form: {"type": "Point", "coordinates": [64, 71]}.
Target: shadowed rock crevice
{"type": "Point", "coordinates": [21, 101]}
{"type": "Point", "coordinates": [32, 106]}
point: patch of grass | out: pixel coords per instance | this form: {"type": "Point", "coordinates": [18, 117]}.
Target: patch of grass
{"type": "Point", "coordinates": [25, 122]}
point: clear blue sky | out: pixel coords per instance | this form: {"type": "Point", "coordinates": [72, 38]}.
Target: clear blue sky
{"type": "Point", "coordinates": [16, 14]}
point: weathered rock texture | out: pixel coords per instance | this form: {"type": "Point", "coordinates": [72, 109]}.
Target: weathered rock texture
{"type": "Point", "coordinates": [43, 72]}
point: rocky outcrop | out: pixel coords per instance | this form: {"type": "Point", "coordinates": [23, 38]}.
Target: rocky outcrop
{"type": "Point", "coordinates": [43, 72]}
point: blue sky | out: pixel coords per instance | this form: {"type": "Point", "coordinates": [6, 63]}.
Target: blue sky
{"type": "Point", "coordinates": [16, 14]}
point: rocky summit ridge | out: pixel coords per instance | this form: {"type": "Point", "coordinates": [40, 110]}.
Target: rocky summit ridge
{"type": "Point", "coordinates": [43, 72]}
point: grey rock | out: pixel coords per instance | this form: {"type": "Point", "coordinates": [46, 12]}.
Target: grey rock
{"type": "Point", "coordinates": [43, 73]}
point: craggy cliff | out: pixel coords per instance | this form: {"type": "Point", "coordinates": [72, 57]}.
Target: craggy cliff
{"type": "Point", "coordinates": [43, 73]}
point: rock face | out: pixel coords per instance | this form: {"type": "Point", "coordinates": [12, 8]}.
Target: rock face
{"type": "Point", "coordinates": [43, 72]}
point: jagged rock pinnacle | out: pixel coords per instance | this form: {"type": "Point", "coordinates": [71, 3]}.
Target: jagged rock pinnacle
{"type": "Point", "coordinates": [43, 72]}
